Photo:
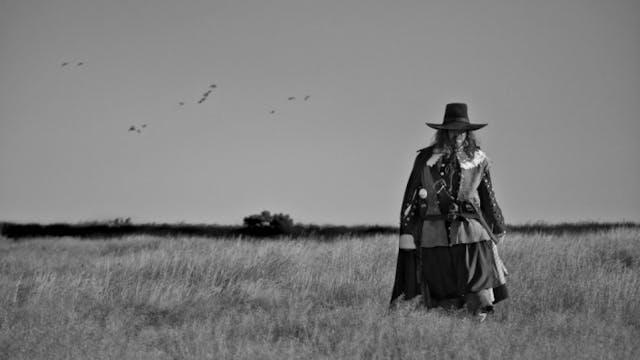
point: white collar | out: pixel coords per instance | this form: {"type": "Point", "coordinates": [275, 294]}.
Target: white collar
{"type": "Point", "coordinates": [465, 162]}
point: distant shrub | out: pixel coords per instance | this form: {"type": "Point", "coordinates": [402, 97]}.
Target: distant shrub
{"type": "Point", "coordinates": [267, 224]}
{"type": "Point", "coordinates": [282, 223]}
{"type": "Point", "coordinates": [261, 220]}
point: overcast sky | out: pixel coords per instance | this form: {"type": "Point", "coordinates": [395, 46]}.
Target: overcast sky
{"type": "Point", "coordinates": [558, 82]}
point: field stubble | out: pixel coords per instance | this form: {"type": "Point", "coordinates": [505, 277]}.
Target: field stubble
{"type": "Point", "coordinates": [192, 298]}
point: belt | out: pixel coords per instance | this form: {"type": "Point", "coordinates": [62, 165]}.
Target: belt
{"type": "Point", "coordinates": [462, 211]}
{"type": "Point", "coordinates": [458, 209]}
{"type": "Point", "coordinates": [469, 211]}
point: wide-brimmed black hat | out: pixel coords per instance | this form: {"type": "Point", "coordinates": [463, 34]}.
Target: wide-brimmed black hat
{"type": "Point", "coordinates": [456, 118]}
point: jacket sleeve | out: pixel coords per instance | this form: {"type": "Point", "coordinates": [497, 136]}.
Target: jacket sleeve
{"type": "Point", "coordinates": [407, 219]}
{"type": "Point", "coordinates": [488, 204]}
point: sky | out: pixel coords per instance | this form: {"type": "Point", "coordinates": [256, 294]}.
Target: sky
{"type": "Point", "coordinates": [557, 82]}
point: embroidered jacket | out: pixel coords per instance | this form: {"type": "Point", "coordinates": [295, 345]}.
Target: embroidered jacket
{"type": "Point", "coordinates": [467, 179]}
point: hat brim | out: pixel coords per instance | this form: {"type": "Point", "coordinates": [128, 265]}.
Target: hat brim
{"type": "Point", "coordinates": [456, 126]}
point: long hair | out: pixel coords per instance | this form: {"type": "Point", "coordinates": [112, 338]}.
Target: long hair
{"type": "Point", "coordinates": [441, 141]}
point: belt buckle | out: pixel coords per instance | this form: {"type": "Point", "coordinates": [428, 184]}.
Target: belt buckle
{"type": "Point", "coordinates": [454, 212]}
{"type": "Point", "coordinates": [468, 207]}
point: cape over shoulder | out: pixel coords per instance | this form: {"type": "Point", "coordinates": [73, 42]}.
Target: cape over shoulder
{"type": "Point", "coordinates": [423, 154]}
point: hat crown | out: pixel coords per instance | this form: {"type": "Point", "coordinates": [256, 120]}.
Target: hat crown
{"type": "Point", "coordinates": [456, 111]}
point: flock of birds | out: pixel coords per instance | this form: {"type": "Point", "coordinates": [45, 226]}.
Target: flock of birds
{"type": "Point", "coordinates": [139, 129]}
{"type": "Point", "coordinates": [205, 95]}
{"type": "Point", "coordinates": [291, 98]}
{"type": "Point", "coordinates": [67, 63]}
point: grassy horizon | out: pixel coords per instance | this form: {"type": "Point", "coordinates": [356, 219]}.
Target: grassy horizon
{"type": "Point", "coordinates": [121, 227]}
{"type": "Point", "coordinates": [141, 297]}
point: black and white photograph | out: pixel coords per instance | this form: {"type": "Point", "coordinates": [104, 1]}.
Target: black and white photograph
{"type": "Point", "coordinates": [319, 179]}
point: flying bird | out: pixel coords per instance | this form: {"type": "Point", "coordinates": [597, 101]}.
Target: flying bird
{"type": "Point", "coordinates": [213, 86]}
{"type": "Point", "coordinates": [204, 97]}
{"type": "Point", "coordinates": [64, 64]}
{"type": "Point", "coordinates": [181, 103]}
{"type": "Point", "coordinates": [80, 63]}
{"type": "Point", "coordinates": [272, 112]}
{"type": "Point", "coordinates": [292, 98]}
{"type": "Point", "coordinates": [132, 128]}
{"type": "Point", "coordinates": [307, 97]}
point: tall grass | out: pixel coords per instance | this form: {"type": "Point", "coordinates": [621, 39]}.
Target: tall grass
{"type": "Point", "coordinates": [192, 298]}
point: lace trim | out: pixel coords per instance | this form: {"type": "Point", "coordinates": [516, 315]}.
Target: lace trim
{"type": "Point", "coordinates": [478, 157]}
{"type": "Point", "coordinates": [465, 162]}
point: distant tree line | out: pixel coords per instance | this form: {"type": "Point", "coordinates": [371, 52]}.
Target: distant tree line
{"type": "Point", "coordinates": [262, 225]}
{"type": "Point", "coordinates": [570, 227]}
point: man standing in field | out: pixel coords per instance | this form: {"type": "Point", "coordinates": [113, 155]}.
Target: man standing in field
{"type": "Point", "coordinates": [451, 223]}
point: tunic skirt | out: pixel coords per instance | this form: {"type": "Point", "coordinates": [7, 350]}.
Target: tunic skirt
{"type": "Point", "coordinates": [457, 271]}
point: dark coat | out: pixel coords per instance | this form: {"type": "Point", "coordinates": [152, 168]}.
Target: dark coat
{"type": "Point", "coordinates": [413, 210]}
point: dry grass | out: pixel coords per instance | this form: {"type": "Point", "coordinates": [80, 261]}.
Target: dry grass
{"type": "Point", "coordinates": [191, 298]}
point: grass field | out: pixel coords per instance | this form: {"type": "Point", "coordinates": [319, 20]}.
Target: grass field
{"type": "Point", "coordinates": [572, 297]}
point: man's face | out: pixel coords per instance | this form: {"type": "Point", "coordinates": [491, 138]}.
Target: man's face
{"type": "Point", "coordinates": [457, 137]}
